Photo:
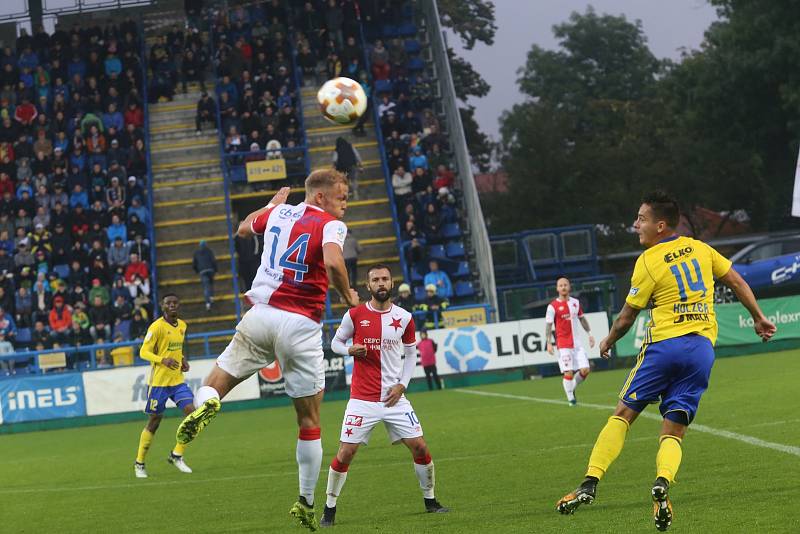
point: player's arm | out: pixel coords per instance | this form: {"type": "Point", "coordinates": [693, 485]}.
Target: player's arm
{"type": "Point", "coordinates": [149, 349]}
{"type": "Point", "coordinates": [333, 235]}
{"type": "Point", "coordinates": [246, 228]}
{"type": "Point", "coordinates": [764, 328]}
{"type": "Point", "coordinates": [585, 324]}
{"type": "Point", "coordinates": [409, 364]}
{"type": "Point", "coordinates": [621, 325]}
{"type": "Point", "coordinates": [343, 334]}
{"type": "Point", "coordinates": [549, 317]}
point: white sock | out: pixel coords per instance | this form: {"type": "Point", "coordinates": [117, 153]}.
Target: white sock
{"type": "Point", "coordinates": [335, 483]}
{"type": "Point", "coordinates": [203, 394]}
{"type": "Point", "coordinates": [309, 461]}
{"type": "Point", "coordinates": [569, 388]}
{"type": "Point", "coordinates": [578, 379]}
{"type": "Point", "coordinates": [426, 477]}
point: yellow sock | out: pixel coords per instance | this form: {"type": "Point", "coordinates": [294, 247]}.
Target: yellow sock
{"type": "Point", "coordinates": [608, 446]}
{"type": "Point", "coordinates": [144, 445]}
{"type": "Point", "coordinates": [179, 448]}
{"type": "Point", "coordinates": [668, 459]}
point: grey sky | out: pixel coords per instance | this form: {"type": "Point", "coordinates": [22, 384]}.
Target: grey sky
{"type": "Point", "coordinates": [669, 26]}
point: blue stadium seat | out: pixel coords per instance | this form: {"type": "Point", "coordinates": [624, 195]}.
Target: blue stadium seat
{"type": "Point", "coordinates": [416, 276]}
{"type": "Point", "coordinates": [124, 327]}
{"type": "Point", "coordinates": [412, 46]}
{"type": "Point", "coordinates": [389, 30]}
{"type": "Point", "coordinates": [464, 289]}
{"type": "Point", "coordinates": [415, 63]}
{"type": "Point", "coordinates": [62, 270]}
{"type": "Point", "coordinates": [455, 250]}
{"type": "Point", "coordinates": [407, 29]}
{"type": "Point", "coordinates": [23, 335]}
{"type": "Point", "coordinates": [437, 252]}
{"type": "Point", "coordinates": [419, 293]}
{"type": "Point", "coordinates": [451, 231]}
{"type": "Point", "coordinates": [383, 86]}
{"type": "Point", "coordinates": [462, 270]}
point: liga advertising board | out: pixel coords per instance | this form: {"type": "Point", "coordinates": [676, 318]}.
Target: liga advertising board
{"type": "Point", "coordinates": [498, 346]}
{"type": "Point", "coordinates": [125, 389]}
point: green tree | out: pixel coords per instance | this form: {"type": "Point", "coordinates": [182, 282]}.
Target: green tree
{"type": "Point", "coordinates": [472, 21]}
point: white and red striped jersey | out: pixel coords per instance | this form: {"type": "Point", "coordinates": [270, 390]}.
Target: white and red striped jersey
{"type": "Point", "coordinates": [565, 314]}
{"type": "Point", "coordinates": [385, 334]}
{"type": "Point", "coordinates": [292, 275]}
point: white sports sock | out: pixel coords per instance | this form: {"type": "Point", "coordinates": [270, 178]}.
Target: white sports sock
{"type": "Point", "coordinates": [203, 394]}
{"type": "Point", "coordinates": [569, 388]}
{"type": "Point", "coordinates": [335, 483]}
{"type": "Point", "coordinates": [578, 377]}
{"type": "Point", "coordinates": [309, 461]}
{"type": "Point", "coordinates": [426, 476]}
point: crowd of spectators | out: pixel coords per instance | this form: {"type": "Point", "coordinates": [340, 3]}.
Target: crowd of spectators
{"type": "Point", "coordinates": [73, 222]}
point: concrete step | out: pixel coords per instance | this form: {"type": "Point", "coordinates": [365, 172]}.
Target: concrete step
{"type": "Point", "coordinates": [197, 208]}
{"type": "Point", "coordinates": [191, 287]}
{"type": "Point", "coordinates": [368, 189]}
{"type": "Point", "coordinates": [196, 308]}
{"type": "Point", "coordinates": [181, 249]}
{"type": "Point", "coordinates": [171, 117]}
{"type": "Point", "coordinates": [183, 150]}
{"type": "Point", "coordinates": [186, 190]}
{"type": "Point", "coordinates": [185, 271]}
{"type": "Point", "coordinates": [329, 137]}
{"type": "Point", "coordinates": [321, 155]}
{"type": "Point", "coordinates": [176, 175]}
{"type": "Point", "coordinates": [177, 131]}
{"type": "Point", "coordinates": [213, 323]}
{"type": "Point", "coordinates": [208, 163]}
{"type": "Point", "coordinates": [371, 228]}
{"type": "Point", "coordinates": [191, 228]}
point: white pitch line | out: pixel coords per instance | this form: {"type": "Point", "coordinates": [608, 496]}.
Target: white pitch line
{"type": "Point", "coordinates": [788, 449]}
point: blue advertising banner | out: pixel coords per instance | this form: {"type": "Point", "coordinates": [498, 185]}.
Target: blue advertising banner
{"type": "Point", "coordinates": [37, 398]}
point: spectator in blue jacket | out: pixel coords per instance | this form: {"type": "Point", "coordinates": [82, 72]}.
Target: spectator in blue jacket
{"type": "Point", "coordinates": [117, 229]}
{"type": "Point", "coordinates": [78, 196]}
{"type": "Point", "coordinates": [113, 118]}
{"type": "Point", "coordinates": [418, 159]}
{"type": "Point", "coordinates": [444, 288]}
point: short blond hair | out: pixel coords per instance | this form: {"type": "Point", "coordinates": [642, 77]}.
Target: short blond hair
{"type": "Point", "coordinates": [324, 179]}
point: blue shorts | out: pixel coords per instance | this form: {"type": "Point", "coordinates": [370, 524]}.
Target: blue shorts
{"type": "Point", "coordinates": [674, 371]}
{"type": "Point", "coordinates": [157, 397]}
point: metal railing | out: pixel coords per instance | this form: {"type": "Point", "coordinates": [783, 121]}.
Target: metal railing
{"type": "Point", "coordinates": [479, 236]}
{"type": "Point", "coordinates": [151, 232]}
{"type": "Point", "coordinates": [387, 175]}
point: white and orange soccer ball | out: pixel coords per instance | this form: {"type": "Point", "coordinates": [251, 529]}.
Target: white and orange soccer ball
{"type": "Point", "coordinates": [342, 100]}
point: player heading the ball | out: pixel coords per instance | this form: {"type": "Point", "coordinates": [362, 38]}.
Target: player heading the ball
{"type": "Point", "coordinates": [302, 252]}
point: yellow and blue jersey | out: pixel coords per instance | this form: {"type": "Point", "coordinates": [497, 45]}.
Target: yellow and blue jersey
{"type": "Point", "coordinates": [675, 278]}
{"type": "Point", "coordinates": [164, 340]}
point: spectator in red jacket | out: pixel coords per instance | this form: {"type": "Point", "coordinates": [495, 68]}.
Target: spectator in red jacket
{"type": "Point", "coordinates": [134, 115]}
{"type": "Point", "coordinates": [25, 113]}
{"type": "Point", "coordinates": [60, 320]}
{"type": "Point", "coordinates": [137, 277]}
{"type": "Point", "coordinates": [6, 185]}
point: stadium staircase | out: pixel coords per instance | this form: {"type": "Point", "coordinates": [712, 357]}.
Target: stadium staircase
{"type": "Point", "coordinates": [369, 217]}
{"type": "Point", "coordinates": [188, 199]}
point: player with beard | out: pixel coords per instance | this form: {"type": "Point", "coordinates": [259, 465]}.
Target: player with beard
{"type": "Point", "coordinates": [383, 334]}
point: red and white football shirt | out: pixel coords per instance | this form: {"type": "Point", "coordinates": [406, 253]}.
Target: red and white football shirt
{"type": "Point", "coordinates": [385, 334]}
{"type": "Point", "coordinates": [292, 275]}
{"type": "Point", "coordinates": [565, 314]}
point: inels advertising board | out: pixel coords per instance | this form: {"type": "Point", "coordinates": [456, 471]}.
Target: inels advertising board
{"type": "Point", "coordinates": [125, 389]}
{"type": "Point", "coordinates": [37, 398]}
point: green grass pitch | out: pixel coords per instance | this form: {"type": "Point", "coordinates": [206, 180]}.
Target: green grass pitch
{"type": "Point", "coordinates": [501, 465]}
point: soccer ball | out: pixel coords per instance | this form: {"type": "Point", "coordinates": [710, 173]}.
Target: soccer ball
{"type": "Point", "coordinates": [342, 100]}
{"type": "Point", "coordinates": [467, 349]}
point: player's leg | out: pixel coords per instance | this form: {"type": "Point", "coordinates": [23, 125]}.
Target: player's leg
{"type": "Point", "coordinates": [360, 417]}
{"type": "Point", "coordinates": [337, 475]}
{"type": "Point", "coordinates": [565, 365]}
{"type": "Point", "coordinates": [582, 365]}
{"type": "Point", "coordinates": [402, 424]}
{"type": "Point", "coordinates": [646, 381]}
{"type": "Point", "coordinates": [154, 408]}
{"type": "Point", "coordinates": [309, 457]}
{"type": "Point", "coordinates": [694, 357]}
{"type": "Point", "coordinates": [184, 399]}
{"type": "Point", "coordinates": [250, 350]}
